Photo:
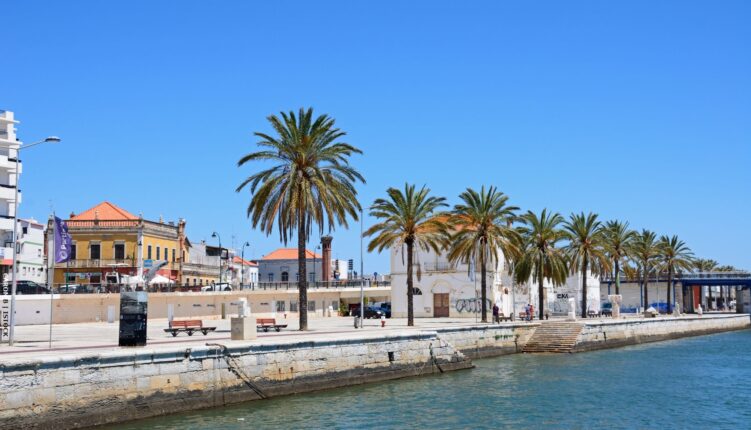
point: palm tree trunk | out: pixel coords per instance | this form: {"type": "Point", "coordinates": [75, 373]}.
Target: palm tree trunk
{"type": "Point", "coordinates": [617, 277]}
{"type": "Point", "coordinates": [484, 294]}
{"type": "Point", "coordinates": [646, 286]}
{"type": "Point", "coordinates": [302, 284]}
{"type": "Point", "coordinates": [540, 290]}
{"type": "Point", "coordinates": [585, 263]}
{"type": "Point", "coordinates": [670, 282]}
{"type": "Point", "coordinates": [410, 292]}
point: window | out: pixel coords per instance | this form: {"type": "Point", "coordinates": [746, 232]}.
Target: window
{"type": "Point", "coordinates": [95, 250]}
{"type": "Point", "coordinates": [148, 252]}
{"type": "Point", "coordinates": [39, 252]}
{"type": "Point", "coordinates": [292, 306]}
{"type": "Point", "coordinates": [297, 277]}
{"type": "Point", "coordinates": [119, 251]}
{"type": "Point", "coordinates": [311, 305]}
{"type": "Point", "coordinates": [25, 230]}
{"type": "Point", "coordinates": [285, 277]}
{"type": "Point", "coordinates": [311, 277]}
{"type": "Point", "coordinates": [416, 291]}
{"type": "Point", "coordinates": [73, 251]}
{"type": "Point", "coordinates": [271, 277]}
{"type": "Point", "coordinates": [158, 256]}
{"type": "Point", "coordinates": [173, 255]}
{"type": "Point", "coordinates": [280, 305]}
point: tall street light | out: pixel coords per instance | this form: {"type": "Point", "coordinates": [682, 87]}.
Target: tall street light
{"type": "Point", "coordinates": [242, 265]}
{"type": "Point", "coordinates": [14, 280]}
{"type": "Point", "coordinates": [216, 235]}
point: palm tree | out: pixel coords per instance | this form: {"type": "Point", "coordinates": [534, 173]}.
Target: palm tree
{"type": "Point", "coordinates": [727, 268]}
{"type": "Point", "coordinates": [674, 256]}
{"type": "Point", "coordinates": [618, 238]}
{"type": "Point", "coordinates": [541, 259]}
{"type": "Point", "coordinates": [310, 182]}
{"type": "Point", "coordinates": [586, 249]}
{"type": "Point", "coordinates": [644, 251]}
{"type": "Point", "coordinates": [408, 218]}
{"type": "Point", "coordinates": [482, 224]}
{"type": "Point", "coordinates": [705, 265]}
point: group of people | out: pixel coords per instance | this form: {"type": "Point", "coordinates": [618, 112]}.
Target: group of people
{"type": "Point", "coordinates": [529, 312]}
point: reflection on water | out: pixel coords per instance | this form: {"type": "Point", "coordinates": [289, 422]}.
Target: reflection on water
{"type": "Point", "coordinates": [700, 382]}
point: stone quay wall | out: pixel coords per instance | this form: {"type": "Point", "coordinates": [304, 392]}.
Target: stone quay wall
{"type": "Point", "coordinates": [612, 334]}
{"type": "Point", "coordinates": [483, 341]}
{"type": "Point", "coordinates": [65, 393]}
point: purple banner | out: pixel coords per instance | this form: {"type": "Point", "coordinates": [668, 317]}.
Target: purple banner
{"type": "Point", "coordinates": [62, 241]}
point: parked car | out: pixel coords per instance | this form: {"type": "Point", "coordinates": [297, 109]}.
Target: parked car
{"type": "Point", "coordinates": [217, 287]}
{"type": "Point", "coordinates": [70, 289]}
{"type": "Point", "coordinates": [385, 310]}
{"type": "Point", "coordinates": [370, 312]}
{"type": "Point", "coordinates": [30, 287]}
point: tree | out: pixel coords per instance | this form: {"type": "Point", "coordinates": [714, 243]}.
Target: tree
{"type": "Point", "coordinates": [644, 251]}
{"type": "Point", "coordinates": [482, 228]}
{"type": "Point", "coordinates": [410, 218]}
{"type": "Point", "coordinates": [541, 259]}
{"type": "Point", "coordinates": [586, 249]}
{"type": "Point", "coordinates": [310, 182]}
{"type": "Point", "coordinates": [705, 265]}
{"type": "Point", "coordinates": [674, 256]}
{"type": "Point", "coordinates": [618, 238]}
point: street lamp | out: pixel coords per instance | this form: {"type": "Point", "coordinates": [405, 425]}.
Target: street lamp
{"type": "Point", "coordinates": [315, 251]}
{"type": "Point", "coordinates": [242, 265]}
{"type": "Point", "coordinates": [14, 280]}
{"type": "Point", "coordinates": [216, 235]}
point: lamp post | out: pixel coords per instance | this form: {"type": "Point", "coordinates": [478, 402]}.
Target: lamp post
{"type": "Point", "coordinates": [242, 265]}
{"type": "Point", "coordinates": [14, 279]}
{"type": "Point", "coordinates": [216, 235]}
{"type": "Point", "coordinates": [314, 264]}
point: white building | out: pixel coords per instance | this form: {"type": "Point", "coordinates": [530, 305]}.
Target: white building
{"type": "Point", "coordinates": [31, 251]}
{"type": "Point", "coordinates": [8, 156]}
{"type": "Point", "coordinates": [243, 272]}
{"type": "Point", "coordinates": [449, 290]}
{"type": "Point", "coordinates": [281, 266]}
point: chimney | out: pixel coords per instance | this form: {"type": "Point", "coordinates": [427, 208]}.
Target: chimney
{"type": "Point", "coordinates": [326, 260]}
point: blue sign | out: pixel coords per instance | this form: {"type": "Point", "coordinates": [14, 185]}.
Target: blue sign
{"type": "Point", "coordinates": [148, 263]}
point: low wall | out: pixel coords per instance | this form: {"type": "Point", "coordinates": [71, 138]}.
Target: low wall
{"type": "Point", "coordinates": [63, 393]}
{"type": "Point", "coordinates": [483, 341]}
{"type": "Point", "coordinates": [612, 334]}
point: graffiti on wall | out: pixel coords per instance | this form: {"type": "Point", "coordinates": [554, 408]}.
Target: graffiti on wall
{"type": "Point", "coordinates": [472, 305]}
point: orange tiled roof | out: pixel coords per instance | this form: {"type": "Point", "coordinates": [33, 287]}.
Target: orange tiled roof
{"type": "Point", "coordinates": [243, 262]}
{"type": "Point", "coordinates": [104, 211]}
{"type": "Point", "coordinates": [289, 254]}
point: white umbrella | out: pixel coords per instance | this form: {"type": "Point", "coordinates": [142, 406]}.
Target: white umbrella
{"type": "Point", "coordinates": [159, 279]}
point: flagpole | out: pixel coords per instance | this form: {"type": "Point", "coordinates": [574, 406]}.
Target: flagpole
{"type": "Point", "coordinates": [51, 273]}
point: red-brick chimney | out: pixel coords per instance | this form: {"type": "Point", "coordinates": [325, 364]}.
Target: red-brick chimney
{"type": "Point", "coordinates": [326, 260]}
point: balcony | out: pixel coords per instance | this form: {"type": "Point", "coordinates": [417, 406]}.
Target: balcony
{"type": "Point", "coordinates": [9, 163]}
{"type": "Point", "coordinates": [440, 266]}
{"type": "Point", "coordinates": [326, 285]}
{"type": "Point", "coordinates": [8, 192]}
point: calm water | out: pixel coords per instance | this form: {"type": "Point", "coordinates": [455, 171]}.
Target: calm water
{"type": "Point", "coordinates": [702, 382]}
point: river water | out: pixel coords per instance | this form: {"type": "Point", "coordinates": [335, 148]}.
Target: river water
{"type": "Point", "coordinates": [700, 382]}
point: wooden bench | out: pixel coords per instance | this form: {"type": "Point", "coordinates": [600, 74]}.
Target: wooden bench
{"type": "Point", "coordinates": [593, 314]}
{"type": "Point", "coordinates": [188, 326]}
{"type": "Point", "coordinates": [266, 323]}
{"type": "Point", "coordinates": [523, 316]}
{"type": "Point", "coordinates": [502, 317]}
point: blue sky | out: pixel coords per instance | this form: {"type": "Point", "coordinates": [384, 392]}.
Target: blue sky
{"type": "Point", "coordinates": [635, 110]}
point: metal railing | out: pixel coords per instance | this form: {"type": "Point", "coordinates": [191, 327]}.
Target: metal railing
{"type": "Point", "coordinates": [441, 266]}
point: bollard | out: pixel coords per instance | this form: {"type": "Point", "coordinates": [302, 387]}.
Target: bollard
{"type": "Point", "coordinates": [383, 320]}
{"type": "Point", "coordinates": [357, 321]}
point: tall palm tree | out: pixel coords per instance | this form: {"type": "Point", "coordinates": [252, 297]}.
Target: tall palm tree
{"type": "Point", "coordinates": [727, 268]}
{"type": "Point", "coordinates": [644, 251]}
{"type": "Point", "coordinates": [482, 225]}
{"type": "Point", "coordinates": [412, 218]}
{"type": "Point", "coordinates": [674, 256]}
{"type": "Point", "coordinates": [309, 182]}
{"type": "Point", "coordinates": [541, 258]}
{"type": "Point", "coordinates": [586, 249]}
{"type": "Point", "coordinates": [618, 238]}
{"type": "Point", "coordinates": [705, 265]}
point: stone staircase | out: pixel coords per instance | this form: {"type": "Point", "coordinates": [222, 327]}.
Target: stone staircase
{"type": "Point", "coordinates": [554, 336]}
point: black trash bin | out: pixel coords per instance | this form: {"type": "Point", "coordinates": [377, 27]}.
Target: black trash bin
{"type": "Point", "coordinates": [133, 307]}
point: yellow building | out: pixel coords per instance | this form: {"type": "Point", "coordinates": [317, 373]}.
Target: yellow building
{"type": "Point", "coordinates": [106, 243]}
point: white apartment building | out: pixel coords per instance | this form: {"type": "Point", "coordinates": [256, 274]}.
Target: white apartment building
{"type": "Point", "coordinates": [31, 251]}
{"type": "Point", "coordinates": [9, 145]}
{"type": "Point", "coordinates": [243, 273]}
{"type": "Point", "coordinates": [449, 290]}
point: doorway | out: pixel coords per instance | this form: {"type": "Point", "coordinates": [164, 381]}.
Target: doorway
{"type": "Point", "coordinates": [440, 305]}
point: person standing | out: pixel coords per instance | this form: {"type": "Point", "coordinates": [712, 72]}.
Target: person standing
{"type": "Point", "coordinates": [495, 313]}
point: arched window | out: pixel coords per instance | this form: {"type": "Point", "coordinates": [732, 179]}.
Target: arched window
{"type": "Point", "coordinates": [285, 277]}
{"type": "Point", "coordinates": [416, 291]}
